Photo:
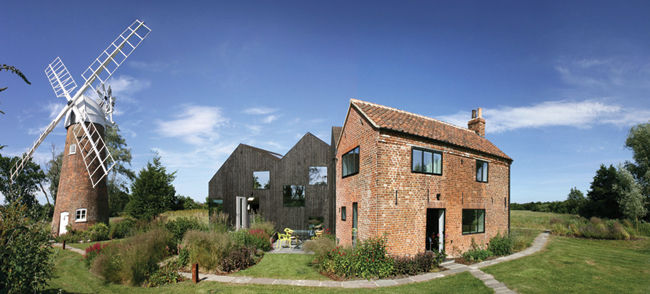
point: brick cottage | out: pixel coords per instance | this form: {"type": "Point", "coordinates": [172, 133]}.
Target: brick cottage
{"type": "Point", "coordinates": [420, 182]}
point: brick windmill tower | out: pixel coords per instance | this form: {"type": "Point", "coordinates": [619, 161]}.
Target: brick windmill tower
{"type": "Point", "coordinates": [82, 198]}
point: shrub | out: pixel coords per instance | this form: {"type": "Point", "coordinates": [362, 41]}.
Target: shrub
{"type": "Point", "coordinates": [239, 259]}
{"type": "Point", "coordinates": [98, 232]}
{"type": "Point", "coordinates": [167, 274]}
{"type": "Point", "coordinates": [207, 249]}
{"type": "Point", "coordinates": [420, 263]}
{"type": "Point", "coordinates": [255, 238]}
{"type": "Point", "coordinates": [134, 261]}
{"type": "Point", "coordinates": [121, 229]}
{"type": "Point", "coordinates": [322, 248]}
{"type": "Point", "coordinates": [219, 222]}
{"type": "Point", "coordinates": [181, 225]}
{"type": "Point", "coordinates": [26, 256]}
{"type": "Point", "coordinates": [476, 253]}
{"type": "Point", "coordinates": [555, 220]}
{"type": "Point", "coordinates": [183, 256]}
{"type": "Point", "coordinates": [92, 252]}
{"type": "Point", "coordinates": [71, 236]}
{"type": "Point", "coordinates": [372, 259]}
{"type": "Point", "coordinates": [341, 262]}
{"type": "Point", "coordinates": [260, 223]}
{"type": "Point", "coordinates": [501, 245]}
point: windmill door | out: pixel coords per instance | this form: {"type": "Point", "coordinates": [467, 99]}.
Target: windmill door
{"type": "Point", "coordinates": [241, 221]}
{"type": "Point", "coordinates": [63, 222]}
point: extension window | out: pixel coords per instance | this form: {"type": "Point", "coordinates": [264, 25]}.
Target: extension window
{"type": "Point", "coordinates": [350, 162]}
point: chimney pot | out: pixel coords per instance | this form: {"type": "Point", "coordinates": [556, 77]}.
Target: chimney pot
{"type": "Point", "coordinates": [480, 112]}
{"type": "Point", "coordinates": [473, 114]}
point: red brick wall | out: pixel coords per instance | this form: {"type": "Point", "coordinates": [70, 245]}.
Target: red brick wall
{"type": "Point", "coordinates": [76, 190]}
{"type": "Point", "coordinates": [385, 166]}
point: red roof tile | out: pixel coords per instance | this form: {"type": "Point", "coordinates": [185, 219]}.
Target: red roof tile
{"type": "Point", "coordinates": [398, 120]}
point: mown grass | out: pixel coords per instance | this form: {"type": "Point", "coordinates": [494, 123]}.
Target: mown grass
{"type": "Point", "coordinates": [572, 265]}
{"type": "Point", "coordinates": [71, 276]}
{"type": "Point", "coordinates": [284, 266]}
{"type": "Point", "coordinates": [535, 219]}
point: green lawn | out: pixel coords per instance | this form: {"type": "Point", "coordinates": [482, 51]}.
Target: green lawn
{"type": "Point", "coordinates": [569, 265]}
{"type": "Point", "coordinates": [71, 276]}
{"type": "Point", "coordinates": [284, 266]}
{"type": "Point", "coordinates": [534, 219]}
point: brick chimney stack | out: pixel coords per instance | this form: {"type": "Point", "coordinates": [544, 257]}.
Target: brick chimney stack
{"type": "Point", "coordinates": [477, 123]}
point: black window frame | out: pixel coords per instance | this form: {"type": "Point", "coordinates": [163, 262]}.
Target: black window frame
{"type": "Point", "coordinates": [487, 173]}
{"type": "Point", "coordinates": [474, 217]}
{"type": "Point", "coordinates": [433, 152]}
{"type": "Point", "coordinates": [356, 162]}
{"type": "Point", "coordinates": [343, 213]}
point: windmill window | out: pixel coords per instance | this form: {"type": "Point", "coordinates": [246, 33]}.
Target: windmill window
{"type": "Point", "coordinates": [73, 149]}
{"type": "Point", "coordinates": [481, 171]}
{"type": "Point", "coordinates": [426, 161]}
{"type": "Point", "coordinates": [81, 215]}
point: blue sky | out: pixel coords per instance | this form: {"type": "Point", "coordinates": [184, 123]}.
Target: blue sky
{"type": "Point", "coordinates": [560, 82]}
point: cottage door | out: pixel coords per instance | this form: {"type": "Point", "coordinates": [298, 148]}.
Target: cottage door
{"type": "Point", "coordinates": [241, 209]}
{"type": "Point", "coordinates": [63, 223]}
{"type": "Point", "coordinates": [435, 230]}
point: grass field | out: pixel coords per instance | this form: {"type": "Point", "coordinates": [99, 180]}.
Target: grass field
{"type": "Point", "coordinates": [570, 265]}
{"type": "Point", "coordinates": [71, 276]}
{"type": "Point", "coordinates": [535, 220]}
{"type": "Point", "coordinates": [284, 266]}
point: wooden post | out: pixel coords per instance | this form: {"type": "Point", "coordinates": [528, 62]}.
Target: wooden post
{"type": "Point", "coordinates": [63, 245]}
{"type": "Point", "coordinates": [195, 273]}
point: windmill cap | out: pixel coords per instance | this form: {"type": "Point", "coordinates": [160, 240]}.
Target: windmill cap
{"type": "Point", "coordinates": [94, 111]}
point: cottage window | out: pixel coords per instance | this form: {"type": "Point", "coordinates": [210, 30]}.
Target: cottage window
{"type": "Point", "coordinates": [293, 196]}
{"type": "Point", "coordinates": [81, 215]}
{"type": "Point", "coordinates": [318, 175]}
{"type": "Point", "coordinates": [261, 180]}
{"type": "Point", "coordinates": [473, 221]}
{"type": "Point", "coordinates": [426, 161]}
{"type": "Point", "coordinates": [481, 171]}
{"type": "Point", "coordinates": [350, 162]}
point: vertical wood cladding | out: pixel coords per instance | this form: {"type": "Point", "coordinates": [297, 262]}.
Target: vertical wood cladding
{"type": "Point", "coordinates": [235, 178]}
{"type": "Point", "coordinates": [385, 168]}
{"type": "Point", "coordinates": [76, 190]}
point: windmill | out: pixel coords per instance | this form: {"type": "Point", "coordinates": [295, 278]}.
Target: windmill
{"type": "Point", "coordinates": [82, 192]}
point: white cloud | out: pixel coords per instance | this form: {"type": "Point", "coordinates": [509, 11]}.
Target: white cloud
{"type": "Point", "coordinates": [260, 110]}
{"type": "Point", "coordinates": [270, 119]}
{"type": "Point", "coordinates": [53, 109]}
{"type": "Point", "coordinates": [583, 114]}
{"type": "Point", "coordinates": [125, 87]}
{"type": "Point", "coordinates": [195, 124]}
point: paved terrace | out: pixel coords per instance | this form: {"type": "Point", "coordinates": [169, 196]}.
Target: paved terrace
{"type": "Point", "coordinates": [453, 268]}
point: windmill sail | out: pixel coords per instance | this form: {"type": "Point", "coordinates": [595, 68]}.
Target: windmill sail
{"type": "Point", "coordinates": [97, 159]}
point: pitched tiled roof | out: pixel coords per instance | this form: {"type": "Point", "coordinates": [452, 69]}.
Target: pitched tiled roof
{"type": "Point", "coordinates": [401, 121]}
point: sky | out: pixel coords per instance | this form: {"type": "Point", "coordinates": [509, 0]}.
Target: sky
{"type": "Point", "coordinates": [560, 82]}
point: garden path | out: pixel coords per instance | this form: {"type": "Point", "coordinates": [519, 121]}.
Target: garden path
{"type": "Point", "coordinates": [453, 268]}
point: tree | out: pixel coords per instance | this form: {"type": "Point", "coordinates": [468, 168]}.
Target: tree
{"type": "Point", "coordinates": [120, 176]}
{"type": "Point", "coordinates": [152, 191]}
{"type": "Point", "coordinates": [13, 70]}
{"type": "Point", "coordinates": [631, 201]}
{"type": "Point", "coordinates": [53, 171]}
{"type": "Point", "coordinates": [638, 139]}
{"type": "Point", "coordinates": [25, 185]}
{"type": "Point", "coordinates": [602, 200]}
{"type": "Point", "coordinates": [574, 200]}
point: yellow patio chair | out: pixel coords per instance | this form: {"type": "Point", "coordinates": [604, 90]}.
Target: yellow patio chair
{"type": "Point", "coordinates": [282, 238]}
{"type": "Point", "coordinates": [289, 234]}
